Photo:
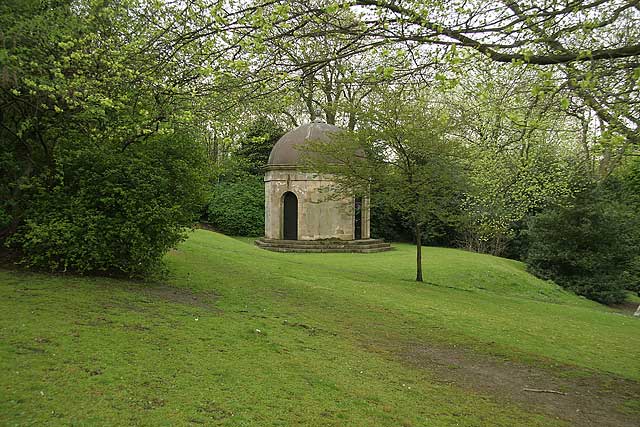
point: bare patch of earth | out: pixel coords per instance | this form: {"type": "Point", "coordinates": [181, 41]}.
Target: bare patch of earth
{"type": "Point", "coordinates": [582, 399]}
{"type": "Point", "coordinates": [206, 226]}
{"type": "Point", "coordinates": [203, 300]}
{"type": "Point", "coordinates": [155, 290]}
{"type": "Point", "coordinates": [626, 307]}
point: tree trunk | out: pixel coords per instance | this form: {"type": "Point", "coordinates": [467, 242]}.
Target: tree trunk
{"type": "Point", "coordinates": [352, 121]}
{"type": "Point", "coordinates": [418, 253]}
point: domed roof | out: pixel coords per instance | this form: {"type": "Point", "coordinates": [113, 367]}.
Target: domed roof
{"type": "Point", "coordinates": [287, 151]}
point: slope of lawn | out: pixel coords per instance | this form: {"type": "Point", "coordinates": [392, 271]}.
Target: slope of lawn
{"type": "Point", "coordinates": [239, 336]}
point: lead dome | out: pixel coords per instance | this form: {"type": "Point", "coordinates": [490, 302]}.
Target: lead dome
{"type": "Point", "coordinates": [287, 151]}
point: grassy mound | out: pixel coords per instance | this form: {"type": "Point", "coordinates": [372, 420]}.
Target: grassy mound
{"type": "Point", "coordinates": [241, 336]}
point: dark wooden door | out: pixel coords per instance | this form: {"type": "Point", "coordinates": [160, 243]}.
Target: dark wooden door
{"type": "Point", "coordinates": [358, 220]}
{"type": "Point", "coordinates": [290, 220]}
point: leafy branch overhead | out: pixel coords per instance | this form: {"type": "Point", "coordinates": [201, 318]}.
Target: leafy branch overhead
{"type": "Point", "coordinates": [587, 50]}
{"type": "Point", "coordinates": [510, 31]}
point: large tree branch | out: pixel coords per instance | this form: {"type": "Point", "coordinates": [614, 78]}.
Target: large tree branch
{"type": "Point", "coordinates": [487, 49]}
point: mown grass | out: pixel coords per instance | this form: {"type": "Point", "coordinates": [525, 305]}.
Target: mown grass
{"type": "Point", "coordinates": [293, 339]}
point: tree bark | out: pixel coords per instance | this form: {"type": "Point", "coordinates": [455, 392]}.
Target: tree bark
{"type": "Point", "coordinates": [418, 253]}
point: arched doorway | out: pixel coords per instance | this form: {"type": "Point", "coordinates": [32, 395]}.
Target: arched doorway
{"type": "Point", "coordinates": [290, 216]}
{"type": "Point", "coordinates": [357, 226]}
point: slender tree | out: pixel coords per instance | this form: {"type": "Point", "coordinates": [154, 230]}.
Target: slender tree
{"type": "Point", "coordinates": [404, 156]}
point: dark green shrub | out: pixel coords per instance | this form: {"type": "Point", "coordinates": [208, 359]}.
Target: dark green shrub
{"type": "Point", "coordinates": [625, 185]}
{"type": "Point", "coordinates": [237, 208]}
{"type": "Point", "coordinates": [113, 210]}
{"type": "Point", "coordinates": [587, 247]}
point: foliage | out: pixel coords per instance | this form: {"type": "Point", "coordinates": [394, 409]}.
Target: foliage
{"type": "Point", "coordinates": [627, 181]}
{"type": "Point", "coordinates": [388, 224]}
{"type": "Point", "coordinates": [587, 51]}
{"type": "Point", "coordinates": [114, 211]}
{"type": "Point", "coordinates": [255, 147]}
{"type": "Point", "coordinates": [624, 186]}
{"type": "Point", "coordinates": [588, 246]}
{"type": "Point", "coordinates": [230, 169]}
{"type": "Point", "coordinates": [5, 219]}
{"type": "Point", "coordinates": [524, 154]}
{"type": "Point", "coordinates": [79, 75]}
{"type": "Point", "coordinates": [236, 200]}
{"type": "Point", "coordinates": [236, 207]}
{"type": "Point", "coordinates": [96, 132]}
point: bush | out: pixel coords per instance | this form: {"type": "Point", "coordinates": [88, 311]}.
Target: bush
{"type": "Point", "coordinates": [113, 210]}
{"type": "Point", "coordinates": [237, 208]}
{"type": "Point", "coordinates": [588, 247]}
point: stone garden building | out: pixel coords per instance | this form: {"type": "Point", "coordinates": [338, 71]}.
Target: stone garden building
{"type": "Point", "coordinates": [300, 215]}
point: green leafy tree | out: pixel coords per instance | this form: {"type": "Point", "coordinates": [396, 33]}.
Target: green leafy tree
{"type": "Point", "coordinates": [406, 159]}
{"type": "Point", "coordinates": [262, 134]}
{"type": "Point", "coordinates": [115, 212]}
{"type": "Point", "coordinates": [624, 185]}
{"type": "Point", "coordinates": [525, 154]}
{"type": "Point", "coordinates": [586, 52]}
{"type": "Point", "coordinates": [236, 201]}
{"type": "Point", "coordinates": [92, 97]}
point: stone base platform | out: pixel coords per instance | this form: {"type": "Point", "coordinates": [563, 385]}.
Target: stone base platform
{"type": "Point", "coordinates": [364, 246]}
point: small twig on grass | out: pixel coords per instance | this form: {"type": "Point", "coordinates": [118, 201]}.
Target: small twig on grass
{"type": "Point", "coordinates": [535, 390]}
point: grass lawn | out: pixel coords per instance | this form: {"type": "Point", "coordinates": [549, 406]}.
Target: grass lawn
{"type": "Point", "coordinates": [238, 336]}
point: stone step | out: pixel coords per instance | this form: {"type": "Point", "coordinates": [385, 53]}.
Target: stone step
{"type": "Point", "coordinates": [328, 242]}
{"type": "Point", "coordinates": [336, 246]}
{"type": "Point", "coordinates": [319, 246]}
{"type": "Point", "coordinates": [325, 250]}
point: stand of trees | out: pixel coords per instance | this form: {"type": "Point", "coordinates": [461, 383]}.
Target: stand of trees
{"type": "Point", "coordinates": [488, 126]}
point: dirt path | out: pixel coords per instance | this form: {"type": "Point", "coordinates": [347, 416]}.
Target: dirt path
{"type": "Point", "coordinates": [595, 400]}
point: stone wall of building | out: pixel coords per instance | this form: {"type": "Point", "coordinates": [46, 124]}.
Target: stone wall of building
{"type": "Point", "coordinates": [319, 216]}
